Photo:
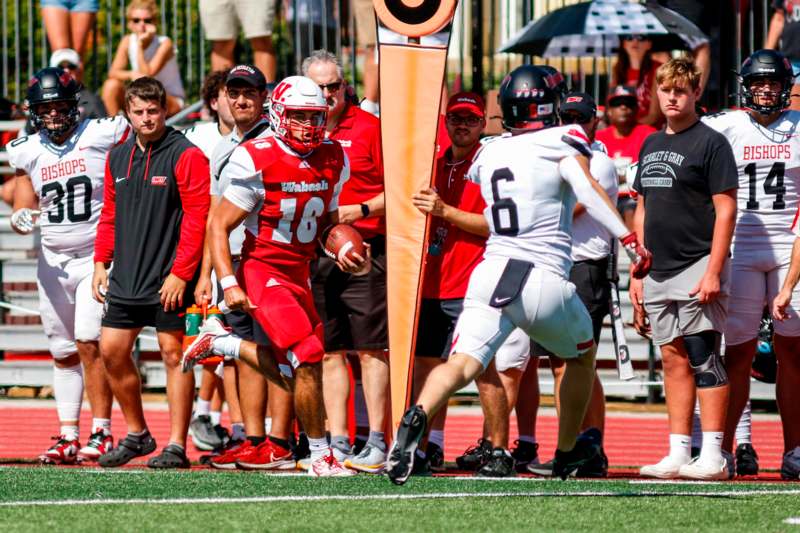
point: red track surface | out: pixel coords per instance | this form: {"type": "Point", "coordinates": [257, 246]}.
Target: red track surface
{"type": "Point", "coordinates": [630, 440]}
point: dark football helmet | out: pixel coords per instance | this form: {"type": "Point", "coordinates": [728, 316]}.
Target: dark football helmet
{"type": "Point", "coordinates": [768, 64]}
{"type": "Point", "coordinates": [561, 82]}
{"type": "Point", "coordinates": [53, 85]}
{"type": "Point", "coordinates": [529, 98]}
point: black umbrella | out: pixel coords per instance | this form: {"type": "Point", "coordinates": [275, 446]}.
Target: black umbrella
{"type": "Point", "coordinates": [594, 28]}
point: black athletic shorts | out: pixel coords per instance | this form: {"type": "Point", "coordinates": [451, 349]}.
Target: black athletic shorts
{"type": "Point", "coordinates": [437, 321]}
{"type": "Point", "coordinates": [352, 308]}
{"type": "Point", "coordinates": [125, 316]}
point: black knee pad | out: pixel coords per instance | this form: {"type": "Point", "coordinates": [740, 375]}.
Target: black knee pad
{"type": "Point", "coordinates": [705, 359]}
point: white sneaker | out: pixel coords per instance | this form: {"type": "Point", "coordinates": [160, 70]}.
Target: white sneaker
{"type": "Point", "coordinates": [328, 466]}
{"type": "Point", "coordinates": [667, 468]}
{"type": "Point", "coordinates": [371, 460]}
{"type": "Point", "coordinates": [705, 470]}
{"type": "Point", "coordinates": [202, 347]}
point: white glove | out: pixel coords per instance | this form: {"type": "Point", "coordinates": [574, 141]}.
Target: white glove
{"type": "Point", "coordinates": [25, 219]}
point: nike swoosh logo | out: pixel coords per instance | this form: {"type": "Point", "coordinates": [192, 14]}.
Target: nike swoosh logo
{"type": "Point", "coordinates": [501, 301]}
{"type": "Point", "coordinates": [81, 148]}
{"type": "Point", "coordinates": [117, 180]}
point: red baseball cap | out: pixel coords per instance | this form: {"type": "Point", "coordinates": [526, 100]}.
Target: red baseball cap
{"type": "Point", "coordinates": [469, 102]}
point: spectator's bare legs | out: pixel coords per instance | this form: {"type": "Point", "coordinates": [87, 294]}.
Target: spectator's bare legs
{"type": "Point", "coordinates": [281, 411]}
{"type": "Point", "coordinates": [336, 390]}
{"type": "Point", "coordinates": [56, 23]}
{"type": "Point", "coordinates": [95, 381]}
{"type": "Point", "coordinates": [527, 404]}
{"type": "Point", "coordinates": [572, 397]}
{"type": "Point", "coordinates": [180, 385]}
{"type": "Point", "coordinates": [230, 388]}
{"type": "Point", "coordinates": [208, 384]}
{"type": "Point", "coordinates": [375, 381]}
{"type": "Point", "coordinates": [222, 54]}
{"type": "Point", "coordinates": [252, 398]}
{"type": "Point", "coordinates": [596, 412]}
{"type": "Point", "coordinates": [494, 405]}
{"type": "Point", "coordinates": [80, 24]}
{"type": "Point", "coordinates": [264, 56]}
{"type": "Point", "coordinates": [123, 376]}
{"type": "Point", "coordinates": [423, 366]}
{"type": "Point", "coordinates": [113, 96]}
{"type": "Point", "coordinates": [679, 387]}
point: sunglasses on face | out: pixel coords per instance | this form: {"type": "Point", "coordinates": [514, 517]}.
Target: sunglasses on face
{"type": "Point", "coordinates": [639, 38]}
{"type": "Point", "coordinates": [572, 118]}
{"type": "Point", "coordinates": [146, 21]}
{"type": "Point", "coordinates": [331, 87]}
{"type": "Point", "coordinates": [470, 120]}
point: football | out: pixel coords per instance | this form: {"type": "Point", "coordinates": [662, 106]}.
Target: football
{"type": "Point", "coordinates": [343, 239]}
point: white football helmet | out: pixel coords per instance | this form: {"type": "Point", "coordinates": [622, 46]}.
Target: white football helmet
{"type": "Point", "coordinates": [298, 93]}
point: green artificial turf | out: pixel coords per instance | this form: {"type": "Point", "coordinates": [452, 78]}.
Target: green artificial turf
{"type": "Point", "coordinates": [371, 503]}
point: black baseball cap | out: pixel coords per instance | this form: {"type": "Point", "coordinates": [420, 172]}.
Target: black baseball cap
{"type": "Point", "coordinates": [248, 74]}
{"type": "Point", "coordinates": [622, 94]}
{"type": "Point", "coordinates": [580, 103]}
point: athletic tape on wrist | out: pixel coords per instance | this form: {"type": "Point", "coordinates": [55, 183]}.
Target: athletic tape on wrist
{"type": "Point", "coordinates": [228, 282]}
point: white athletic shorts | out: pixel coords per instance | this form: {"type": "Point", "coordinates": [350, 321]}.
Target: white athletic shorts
{"type": "Point", "coordinates": [514, 353]}
{"type": "Point", "coordinates": [756, 278]}
{"type": "Point", "coordinates": [546, 307]}
{"type": "Point", "coordinates": [65, 292]}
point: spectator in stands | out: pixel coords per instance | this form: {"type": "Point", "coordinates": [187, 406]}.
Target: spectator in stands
{"type": "Point", "coordinates": [353, 308]}
{"type": "Point", "coordinates": [366, 39]}
{"type": "Point", "coordinates": [143, 53]}
{"type": "Point", "coordinates": [221, 20]}
{"type": "Point", "coordinates": [784, 35]}
{"type": "Point", "coordinates": [68, 22]}
{"type": "Point", "coordinates": [624, 136]}
{"type": "Point", "coordinates": [156, 201]}
{"type": "Point", "coordinates": [635, 67]}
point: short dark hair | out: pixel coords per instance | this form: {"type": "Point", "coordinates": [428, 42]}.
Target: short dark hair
{"type": "Point", "coordinates": [146, 88]}
{"type": "Point", "coordinates": [212, 85]}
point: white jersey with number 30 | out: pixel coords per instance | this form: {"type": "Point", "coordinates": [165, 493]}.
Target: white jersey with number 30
{"type": "Point", "coordinates": [768, 161]}
{"type": "Point", "coordinates": [68, 179]}
{"type": "Point", "coordinates": [528, 202]}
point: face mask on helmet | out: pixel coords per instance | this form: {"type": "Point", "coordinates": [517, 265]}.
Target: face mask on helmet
{"type": "Point", "coordinates": [529, 98]}
{"type": "Point", "coordinates": [298, 113]}
{"type": "Point", "coordinates": [766, 79]}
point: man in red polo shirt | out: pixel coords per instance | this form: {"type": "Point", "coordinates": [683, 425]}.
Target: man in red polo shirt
{"type": "Point", "coordinates": [456, 242]}
{"type": "Point", "coordinates": [353, 308]}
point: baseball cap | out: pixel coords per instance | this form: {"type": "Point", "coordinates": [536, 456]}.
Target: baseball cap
{"type": "Point", "coordinates": [621, 93]}
{"type": "Point", "coordinates": [65, 55]}
{"type": "Point", "coordinates": [469, 102]}
{"type": "Point", "coordinates": [581, 103]}
{"type": "Point", "coordinates": [248, 74]}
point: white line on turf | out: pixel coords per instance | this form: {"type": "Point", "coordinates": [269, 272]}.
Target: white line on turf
{"type": "Point", "coordinates": [793, 521]}
{"type": "Point", "coordinates": [365, 497]}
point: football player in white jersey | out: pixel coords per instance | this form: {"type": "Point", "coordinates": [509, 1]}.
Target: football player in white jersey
{"type": "Point", "coordinates": [766, 143]}
{"type": "Point", "coordinates": [530, 183]}
{"type": "Point", "coordinates": [59, 185]}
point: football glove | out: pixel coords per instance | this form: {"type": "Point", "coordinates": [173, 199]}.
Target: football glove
{"type": "Point", "coordinates": [641, 258]}
{"type": "Point", "coordinates": [25, 219]}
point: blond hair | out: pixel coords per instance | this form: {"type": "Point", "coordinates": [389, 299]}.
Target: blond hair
{"type": "Point", "coordinates": [149, 5]}
{"type": "Point", "coordinates": [677, 72]}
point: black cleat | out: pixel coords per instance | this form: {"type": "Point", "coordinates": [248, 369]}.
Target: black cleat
{"type": "Point", "coordinates": [568, 463]}
{"type": "Point", "coordinates": [524, 454]}
{"type": "Point", "coordinates": [598, 466]}
{"type": "Point", "coordinates": [435, 457]}
{"type": "Point", "coordinates": [476, 456]}
{"type": "Point", "coordinates": [746, 460]}
{"type": "Point", "coordinates": [422, 465]}
{"type": "Point", "coordinates": [790, 467]}
{"type": "Point", "coordinates": [500, 464]}
{"type": "Point", "coordinates": [400, 463]}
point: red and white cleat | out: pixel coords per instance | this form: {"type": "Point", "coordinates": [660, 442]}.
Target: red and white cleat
{"type": "Point", "coordinates": [63, 452]}
{"type": "Point", "coordinates": [328, 466]}
{"type": "Point", "coordinates": [203, 346]}
{"type": "Point", "coordinates": [99, 443]}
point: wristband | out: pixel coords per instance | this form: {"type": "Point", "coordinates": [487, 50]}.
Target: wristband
{"type": "Point", "coordinates": [228, 282]}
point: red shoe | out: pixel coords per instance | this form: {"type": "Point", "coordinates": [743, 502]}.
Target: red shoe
{"type": "Point", "coordinates": [63, 452]}
{"type": "Point", "coordinates": [99, 444]}
{"type": "Point", "coordinates": [234, 450]}
{"type": "Point", "coordinates": [267, 456]}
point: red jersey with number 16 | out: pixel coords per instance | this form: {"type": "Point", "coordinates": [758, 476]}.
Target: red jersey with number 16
{"type": "Point", "coordinates": [290, 193]}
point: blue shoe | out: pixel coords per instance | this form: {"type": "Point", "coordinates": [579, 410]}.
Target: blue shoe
{"type": "Point", "coordinates": [790, 468]}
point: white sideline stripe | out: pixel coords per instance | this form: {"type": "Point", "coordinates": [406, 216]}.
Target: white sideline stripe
{"type": "Point", "coordinates": [368, 497]}
{"type": "Point", "coordinates": [794, 521]}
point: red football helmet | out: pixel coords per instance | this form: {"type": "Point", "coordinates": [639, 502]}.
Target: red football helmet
{"type": "Point", "coordinates": [298, 93]}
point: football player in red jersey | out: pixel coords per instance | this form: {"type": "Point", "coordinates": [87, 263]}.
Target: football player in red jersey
{"type": "Point", "coordinates": [292, 183]}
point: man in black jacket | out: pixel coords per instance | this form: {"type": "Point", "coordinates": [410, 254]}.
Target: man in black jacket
{"type": "Point", "coordinates": [152, 227]}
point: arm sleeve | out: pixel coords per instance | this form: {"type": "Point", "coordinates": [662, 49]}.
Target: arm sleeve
{"type": "Point", "coordinates": [573, 173]}
{"type": "Point", "coordinates": [104, 242]}
{"type": "Point", "coordinates": [191, 175]}
{"type": "Point", "coordinates": [337, 189]}
{"type": "Point", "coordinates": [246, 189]}
{"type": "Point", "coordinates": [603, 169]}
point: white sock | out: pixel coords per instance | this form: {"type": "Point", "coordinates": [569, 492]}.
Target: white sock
{"type": "Point", "coordinates": [268, 425]}
{"type": "Point", "coordinates": [745, 427]}
{"type": "Point", "coordinates": [70, 432]}
{"type": "Point", "coordinates": [101, 424]}
{"type": "Point", "coordinates": [203, 407]}
{"type": "Point", "coordinates": [697, 430]}
{"type": "Point", "coordinates": [319, 448]}
{"type": "Point", "coordinates": [216, 416]}
{"type": "Point", "coordinates": [227, 345]}
{"type": "Point", "coordinates": [360, 406]}
{"type": "Point", "coordinates": [712, 446]}
{"type": "Point", "coordinates": [527, 438]}
{"type": "Point", "coordinates": [68, 390]}
{"type": "Point", "coordinates": [436, 436]}
{"type": "Point", "coordinates": [238, 432]}
{"type": "Point", "coordinates": [680, 446]}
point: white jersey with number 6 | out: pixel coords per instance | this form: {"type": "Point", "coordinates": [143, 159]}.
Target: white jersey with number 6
{"type": "Point", "coordinates": [768, 161]}
{"type": "Point", "coordinates": [528, 203]}
{"type": "Point", "coordinates": [68, 179]}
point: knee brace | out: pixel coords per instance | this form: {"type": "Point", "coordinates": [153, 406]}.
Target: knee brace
{"type": "Point", "coordinates": [705, 359]}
